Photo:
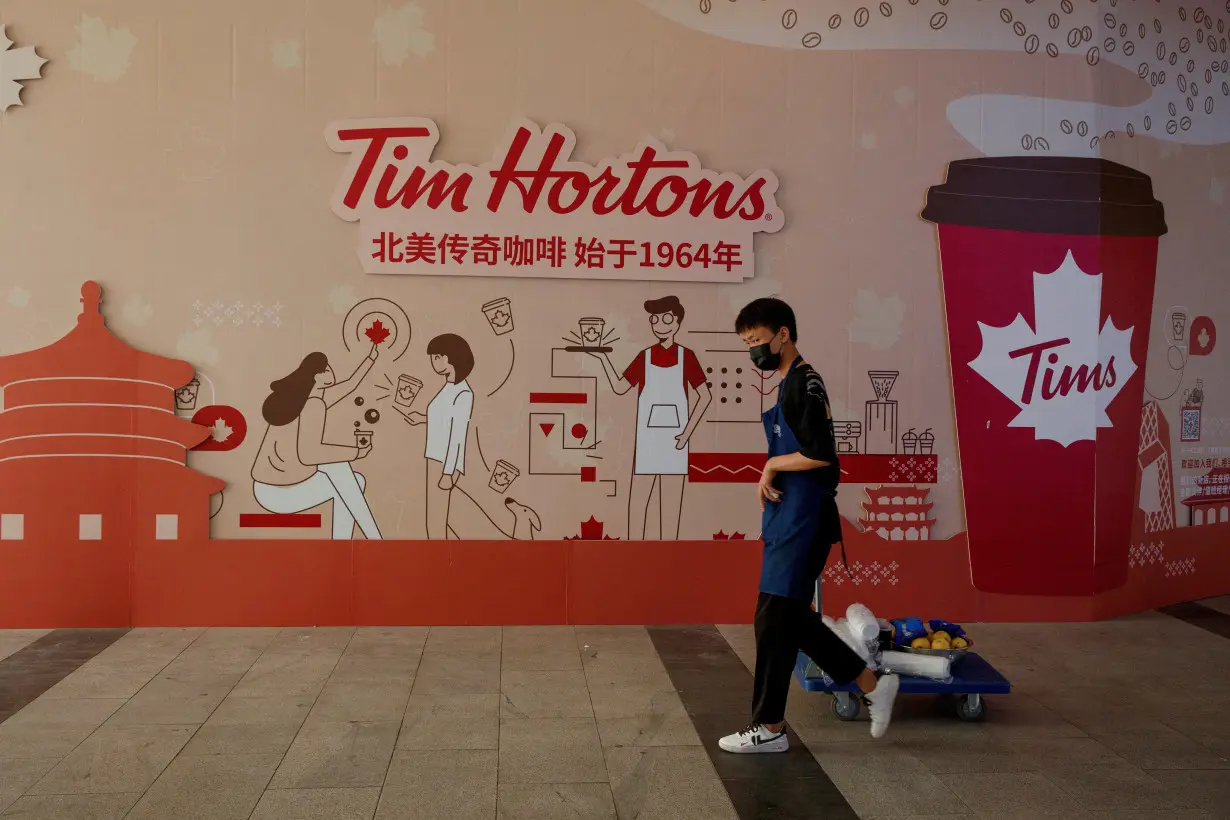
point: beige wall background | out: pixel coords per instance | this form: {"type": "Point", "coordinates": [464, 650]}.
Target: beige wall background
{"type": "Point", "coordinates": [174, 151]}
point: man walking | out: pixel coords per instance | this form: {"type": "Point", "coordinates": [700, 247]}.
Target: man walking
{"type": "Point", "coordinates": [799, 524]}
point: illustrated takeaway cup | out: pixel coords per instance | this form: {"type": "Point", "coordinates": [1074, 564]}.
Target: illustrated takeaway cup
{"type": "Point", "coordinates": [499, 315]}
{"type": "Point", "coordinates": [408, 389]}
{"type": "Point", "coordinates": [1048, 266]}
{"type": "Point", "coordinates": [591, 331]}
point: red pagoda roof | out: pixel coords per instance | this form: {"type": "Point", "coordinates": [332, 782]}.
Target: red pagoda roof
{"type": "Point", "coordinates": [90, 395]}
{"type": "Point", "coordinates": [1214, 488]}
{"type": "Point", "coordinates": [90, 350]}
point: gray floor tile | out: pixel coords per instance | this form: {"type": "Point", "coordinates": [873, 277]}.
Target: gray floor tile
{"type": "Point", "coordinates": [456, 673]}
{"type": "Point", "coordinates": [551, 750]}
{"type": "Point", "coordinates": [18, 775]}
{"type": "Point", "coordinates": [1015, 796]}
{"type": "Point", "coordinates": [974, 755]}
{"type": "Point", "coordinates": [642, 716]}
{"type": "Point", "coordinates": [909, 793]}
{"type": "Point", "coordinates": [1200, 789]}
{"type": "Point", "coordinates": [464, 640]}
{"type": "Point", "coordinates": [555, 801]}
{"type": "Point", "coordinates": [1156, 814]}
{"type": "Point", "coordinates": [451, 722]}
{"type": "Point", "coordinates": [207, 787]}
{"type": "Point", "coordinates": [287, 674]}
{"type": "Point", "coordinates": [11, 640]}
{"type": "Point", "coordinates": [335, 755]}
{"type": "Point", "coordinates": [53, 728]}
{"type": "Point", "coordinates": [251, 726]}
{"type": "Point", "coordinates": [122, 669]}
{"type": "Point", "coordinates": [116, 759]}
{"type": "Point", "coordinates": [317, 804]}
{"type": "Point", "coordinates": [1113, 783]}
{"type": "Point", "coordinates": [223, 651]}
{"type": "Point", "coordinates": [457, 784]}
{"type": "Point", "coordinates": [1020, 716]}
{"type": "Point", "coordinates": [368, 702]}
{"type": "Point", "coordinates": [557, 694]}
{"type": "Point", "coordinates": [1156, 746]}
{"type": "Point", "coordinates": [540, 649]}
{"type": "Point", "coordinates": [667, 783]}
{"type": "Point", "coordinates": [882, 759]}
{"type": "Point", "coordinates": [381, 656]}
{"type": "Point", "coordinates": [72, 807]}
{"type": "Point", "coordinates": [614, 670]}
{"type": "Point", "coordinates": [167, 700]}
{"type": "Point", "coordinates": [601, 640]}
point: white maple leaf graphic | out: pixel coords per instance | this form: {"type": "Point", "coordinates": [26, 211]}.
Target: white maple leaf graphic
{"type": "Point", "coordinates": [1064, 372]}
{"type": "Point", "coordinates": [400, 32]}
{"type": "Point", "coordinates": [220, 431]}
{"type": "Point", "coordinates": [877, 321]}
{"type": "Point", "coordinates": [16, 64]}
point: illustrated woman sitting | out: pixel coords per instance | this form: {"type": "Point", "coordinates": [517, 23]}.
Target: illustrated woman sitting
{"type": "Point", "coordinates": [295, 470]}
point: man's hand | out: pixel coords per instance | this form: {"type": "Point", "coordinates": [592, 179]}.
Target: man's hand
{"type": "Point", "coordinates": [446, 482]}
{"type": "Point", "coordinates": [681, 440]}
{"type": "Point", "coordinates": [375, 352]}
{"type": "Point", "coordinates": [363, 452]}
{"type": "Point", "coordinates": [765, 489]}
{"type": "Point", "coordinates": [414, 417]}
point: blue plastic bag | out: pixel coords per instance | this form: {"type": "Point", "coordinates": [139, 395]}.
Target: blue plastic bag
{"type": "Point", "coordinates": [905, 630]}
{"type": "Point", "coordinates": [953, 630]}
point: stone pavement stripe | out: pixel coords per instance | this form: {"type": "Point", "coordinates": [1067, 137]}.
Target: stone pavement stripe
{"type": "Point", "coordinates": [32, 670]}
{"type": "Point", "coordinates": [1205, 617]}
{"type": "Point", "coordinates": [716, 690]}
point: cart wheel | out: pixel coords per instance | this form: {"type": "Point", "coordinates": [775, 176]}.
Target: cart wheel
{"type": "Point", "coordinates": [846, 707]}
{"type": "Point", "coordinates": [971, 708]}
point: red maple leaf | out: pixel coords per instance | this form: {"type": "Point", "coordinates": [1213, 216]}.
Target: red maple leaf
{"type": "Point", "coordinates": [721, 535]}
{"type": "Point", "coordinates": [377, 333]}
{"type": "Point", "coordinates": [738, 536]}
{"type": "Point", "coordinates": [591, 530]}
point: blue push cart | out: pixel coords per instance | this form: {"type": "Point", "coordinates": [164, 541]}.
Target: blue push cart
{"type": "Point", "coordinates": [972, 679]}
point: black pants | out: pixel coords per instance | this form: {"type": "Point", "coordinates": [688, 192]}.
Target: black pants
{"type": "Point", "coordinates": [784, 626]}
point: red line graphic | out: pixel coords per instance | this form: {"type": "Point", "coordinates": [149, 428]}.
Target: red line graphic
{"type": "Point", "coordinates": [744, 468]}
{"type": "Point", "coordinates": [297, 520]}
{"type": "Point", "coordinates": [558, 398]}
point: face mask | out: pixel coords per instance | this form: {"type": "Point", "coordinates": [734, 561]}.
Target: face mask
{"type": "Point", "coordinates": [764, 357]}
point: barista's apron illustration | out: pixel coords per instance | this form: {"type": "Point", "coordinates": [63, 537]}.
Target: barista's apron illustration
{"type": "Point", "coordinates": [661, 415]}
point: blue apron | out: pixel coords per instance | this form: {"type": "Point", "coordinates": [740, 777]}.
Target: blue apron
{"type": "Point", "coordinates": [792, 559]}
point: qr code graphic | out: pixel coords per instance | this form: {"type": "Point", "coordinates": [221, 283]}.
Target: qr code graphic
{"type": "Point", "coordinates": [1190, 430]}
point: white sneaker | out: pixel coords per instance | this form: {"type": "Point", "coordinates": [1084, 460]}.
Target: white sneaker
{"type": "Point", "coordinates": [880, 704]}
{"type": "Point", "coordinates": [755, 739]}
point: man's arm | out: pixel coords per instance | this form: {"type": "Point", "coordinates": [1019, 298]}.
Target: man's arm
{"type": "Point", "coordinates": [700, 397]}
{"type": "Point", "coordinates": [619, 383]}
{"type": "Point", "coordinates": [806, 408]}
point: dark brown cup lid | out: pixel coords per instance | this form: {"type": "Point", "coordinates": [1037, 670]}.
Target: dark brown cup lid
{"type": "Point", "coordinates": [1056, 195]}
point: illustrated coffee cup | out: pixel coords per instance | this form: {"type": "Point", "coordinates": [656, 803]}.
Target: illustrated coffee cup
{"type": "Point", "coordinates": [1048, 266]}
{"type": "Point", "coordinates": [407, 391]}
{"type": "Point", "coordinates": [502, 476]}
{"type": "Point", "coordinates": [185, 397]}
{"type": "Point", "coordinates": [591, 331]}
{"type": "Point", "coordinates": [499, 315]}
{"type": "Point", "coordinates": [362, 438]}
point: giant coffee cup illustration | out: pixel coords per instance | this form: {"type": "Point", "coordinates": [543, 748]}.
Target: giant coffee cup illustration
{"type": "Point", "coordinates": [1048, 266]}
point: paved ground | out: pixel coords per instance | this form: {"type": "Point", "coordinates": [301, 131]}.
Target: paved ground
{"type": "Point", "coordinates": [1128, 719]}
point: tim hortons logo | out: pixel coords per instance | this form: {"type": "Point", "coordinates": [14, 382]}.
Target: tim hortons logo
{"type": "Point", "coordinates": [1064, 372]}
{"type": "Point", "coordinates": [534, 211]}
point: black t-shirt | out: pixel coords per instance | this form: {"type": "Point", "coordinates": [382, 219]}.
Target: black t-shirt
{"type": "Point", "coordinates": [805, 405]}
